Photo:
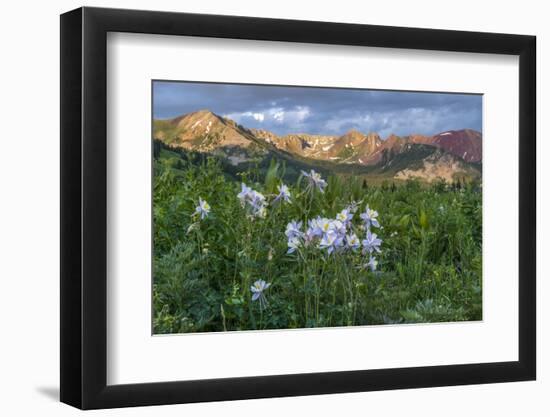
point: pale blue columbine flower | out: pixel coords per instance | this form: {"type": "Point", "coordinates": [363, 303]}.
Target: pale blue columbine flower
{"type": "Point", "coordinates": [345, 216]}
{"type": "Point", "coordinates": [256, 199]}
{"type": "Point", "coordinates": [203, 208]}
{"type": "Point", "coordinates": [331, 241]}
{"type": "Point", "coordinates": [371, 264]}
{"type": "Point", "coordinates": [284, 193]}
{"type": "Point", "coordinates": [331, 232]}
{"type": "Point", "coordinates": [258, 291]}
{"type": "Point", "coordinates": [314, 229]}
{"type": "Point", "coordinates": [317, 226]}
{"type": "Point", "coordinates": [339, 227]}
{"type": "Point", "coordinates": [353, 206]}
{"type": "Point", "coordinates": [352, 241]}
{"type": "Point", "coordinates": [244, 194]}
{"type": "Point", "coordinates": [315, 180]}
{"type": "Point", "coordinates": [325, 225]}
{"type": "Point", "coordinates": [369, 218]}
{"type": "Point", "coordinates": [293, 229]}
{"type": "Point", "coordinates": [294, 234]}
{"type": "Point", "coordinates": [293, 244]}
{"type": "Point", "coordinates": [371, 243]}
{"type": "Point", "coordinates": [253, 198]}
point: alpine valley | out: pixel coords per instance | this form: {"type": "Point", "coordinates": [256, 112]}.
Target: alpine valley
{"type": "Point", "coordinates": [449, 156]}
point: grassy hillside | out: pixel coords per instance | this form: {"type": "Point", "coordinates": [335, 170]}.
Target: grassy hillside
{"type": "Point", "coordinates": [261, 155]}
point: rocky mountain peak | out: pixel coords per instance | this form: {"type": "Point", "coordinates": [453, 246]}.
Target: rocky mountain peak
{"type": "Point", "coordinates": [465, 143]}
{"type": "Point", "coordinates": [394, 143]}
{"type": "Point", "coordinates": [205, 131]}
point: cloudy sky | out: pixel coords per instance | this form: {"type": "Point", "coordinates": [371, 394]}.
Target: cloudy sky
{"type": "Point", "coordinates": [330, 111]}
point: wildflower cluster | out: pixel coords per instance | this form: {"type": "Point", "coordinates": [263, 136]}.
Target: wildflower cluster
{"type": "Point", "coordinates": [250, 198]}
{"type": "Point", "coordinates": [254, 200]}
{"type": "Point", "coordinates": [333, 235]}
{"type": "Point", "coordinates": [337, 235]}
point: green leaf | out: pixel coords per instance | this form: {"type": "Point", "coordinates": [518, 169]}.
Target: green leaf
{"type": "Point", "coordinates": [423, 219]}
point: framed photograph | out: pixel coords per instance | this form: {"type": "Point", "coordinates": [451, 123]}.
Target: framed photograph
{"type": "Point", "coordinates": [257, 208]}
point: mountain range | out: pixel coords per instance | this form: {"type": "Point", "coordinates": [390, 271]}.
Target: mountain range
{"type": "Point", "coordinates": [446, 155]}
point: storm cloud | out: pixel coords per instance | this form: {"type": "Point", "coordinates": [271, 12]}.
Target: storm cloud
{"type": "Point", "coordinates": [329, 111]}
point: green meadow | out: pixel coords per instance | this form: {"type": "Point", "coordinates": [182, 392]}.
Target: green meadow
{"type": "Point", "coordinates": [232, 264]}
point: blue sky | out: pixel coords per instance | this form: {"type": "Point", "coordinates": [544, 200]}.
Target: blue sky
{"type": "Point", "coordinates": [329, 111]}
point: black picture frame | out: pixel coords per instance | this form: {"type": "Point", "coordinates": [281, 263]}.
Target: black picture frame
{"type": "Point", "coordinates": [84, 207]}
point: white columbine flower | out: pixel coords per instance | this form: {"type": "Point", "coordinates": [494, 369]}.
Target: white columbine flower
{"type": "Point", "coordinates": [352, 241]}
{"type": "Point", "coordinates": [284, 193]}
{"type": "Point", "coordinates": [371, 243]}
{"type": "Point", "coordinates": [243, 195]}
{"type": "Point", "coordinates": [369, 218]}
{"type": "Point", "coordinates": [315, 180]}
{"type": "Point", "coordinates": [331, 241]}
{"type": "Point", "coordinates": [293, 229]}
{"type": "Point", "coordinates": [324, 224]}
{"type": "Point", "coordinates": [203, 208]}
{"type": "Point", "coordinates": [314, 229]}
{"type": "Point", "coordinates": [258, 291]}
{"type": "Point", "coordinates": [293, 244]}
{"type": "Point", "coordinates": [331, 232]}
{"type": "Point", "coordinates": [294, 234]}
{"type": "Point", "coordinates": [336, 225]}
{"type": "Point", "coordinates": [339, 227]}
{"type": "Point", "coordinates": [345, 216]}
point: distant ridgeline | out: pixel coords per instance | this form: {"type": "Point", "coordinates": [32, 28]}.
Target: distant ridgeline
{"type": "Point", "coordinates": [450, 156]}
